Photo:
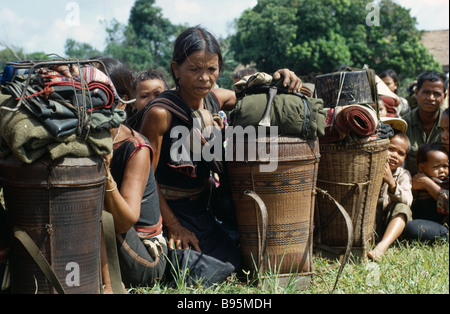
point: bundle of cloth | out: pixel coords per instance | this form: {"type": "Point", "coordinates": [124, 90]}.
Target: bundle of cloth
{"type": "Point", "coordinates": [293, 114]}
{"type": "Point", "coordinates": [391, 101]}
{"type": "Point", "coordinates": [354, 121]}
{"type": "Point", "coordinates": [66, 98]}
{"type": "Point", "coordinates": [65, 109]}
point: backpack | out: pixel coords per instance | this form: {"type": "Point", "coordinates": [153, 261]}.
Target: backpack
{"type": "Point", "coordinates": [262, 101]}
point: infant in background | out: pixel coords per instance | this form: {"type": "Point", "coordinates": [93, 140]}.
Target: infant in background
{"type": "Point", "coordinates": [432, 161]}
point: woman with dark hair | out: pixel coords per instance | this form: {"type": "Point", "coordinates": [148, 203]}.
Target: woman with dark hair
{"type": "Point", "coordinates": [389, 77]}
{"type": "Point", "coordinates": [184, 192]}
{"type": "Point", "coordinates": [131, 196]}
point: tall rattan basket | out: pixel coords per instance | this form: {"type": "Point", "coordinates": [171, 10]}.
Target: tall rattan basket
{"type": "Point", "coordinates": [59, 205]}
{"type": "Point", "coordinates": [283, 247]}
{"type": "Point", "coordinates": [353, 175]}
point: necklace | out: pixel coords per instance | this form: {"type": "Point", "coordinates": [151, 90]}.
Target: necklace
{"type": "Point", "coordinates": [117, 134]}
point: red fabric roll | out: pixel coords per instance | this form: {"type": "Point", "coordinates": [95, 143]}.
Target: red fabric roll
{"type": "Point", "coordinates": [391, 106]}
{"type": "Point", "coordinates": [358, 120]}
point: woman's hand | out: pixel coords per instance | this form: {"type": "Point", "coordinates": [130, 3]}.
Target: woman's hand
{"type": "Point", "coordinates": [291, 81]}
{"type": "Point", "coordinates": [107, 162]}
{"type": "Point", "coordinates": [181, 238]}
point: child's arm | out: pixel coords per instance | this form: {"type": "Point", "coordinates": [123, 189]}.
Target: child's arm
{"type": "Point", "coordinates": [423, 182]}
{"type": "Point", "coordinates": [403, 189]}
{"type": "Point", "coordinates": [442, 199]}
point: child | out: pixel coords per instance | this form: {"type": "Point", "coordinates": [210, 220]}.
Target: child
{"type": "Point", "coordinates": [382, 108]}
{"type": "Point", "coordinates": [432, 162]}
{"type": "Point", "coordinates": [396, 196]}
{"type": "Point", "coordinates": [443, 197]}
{"type": "Point", "coordinates": [429, 230]}
{"type": "Point", "coordinates": [149, 84]}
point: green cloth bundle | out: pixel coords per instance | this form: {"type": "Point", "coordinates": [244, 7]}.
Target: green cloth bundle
{"type": "Point", "coordinates": [28, 140]}
{"type": "Point", "coordinates": [293, 114]}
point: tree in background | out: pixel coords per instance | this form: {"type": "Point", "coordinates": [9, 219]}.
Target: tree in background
{"type": "Point", "coordinates": [151, 31]}
{"type": "Point", "coordinates": [309, 37]}
{"type": "Point", "coordinates": [318, 36]}
{"type": "Point", "coordinates": [77, 50]}
{"type": "Point", "coordinates": [146, 41]}
{"type": "Point", "coordinates": [121, 44]}
{"type": "Point", "coordinates": [9, 54]}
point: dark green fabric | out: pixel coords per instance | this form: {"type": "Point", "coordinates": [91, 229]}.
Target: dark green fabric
{"type": "Point", "coordinates": [288, 113]}
{"type": "Point", "coordinates": [27, 139]}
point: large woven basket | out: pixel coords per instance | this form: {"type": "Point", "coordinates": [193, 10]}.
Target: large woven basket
{"type": "Point", "coordinates": [59, 205]}
{"type": "Point", "coordinates": [353, 175]}
{"type": "Point", "coordinates": [288, 194]}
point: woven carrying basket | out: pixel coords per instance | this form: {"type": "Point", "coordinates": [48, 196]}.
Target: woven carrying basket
{"type": "Point", "coordinates": [59, 205]}
{"type": "Point", "coordinates": [288, 194]}
{"type": "Point", "coordinates": [353, 175]}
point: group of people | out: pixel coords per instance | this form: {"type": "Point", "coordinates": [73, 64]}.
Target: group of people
{"type": "Point", "coordinates": [414, 195]}
{"type": "Point", "coordinates": [160, 204]}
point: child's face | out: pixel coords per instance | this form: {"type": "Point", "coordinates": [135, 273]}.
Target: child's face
{"type": "Point", "coordinates": [146, 91]}
{"type": "Point", "coordinates": [444, 132]}
{"type": "Point", "coordinates": [436, 166]}
{"type": "Point", "coordinates": [382, 108]}
{"type": "Point", "coordinates": [397, 152]}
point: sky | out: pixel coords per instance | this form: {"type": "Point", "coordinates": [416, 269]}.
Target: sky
{"type": "Point", "coordinates": [45, 25]}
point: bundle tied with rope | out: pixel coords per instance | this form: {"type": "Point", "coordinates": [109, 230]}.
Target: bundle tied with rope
{"type": "Point", "coordinates": [65, 107]}
{"type": "Point", "coordinates": [55, 121]}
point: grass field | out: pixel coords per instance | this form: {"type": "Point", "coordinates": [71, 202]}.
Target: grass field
{"type": "Point", "coordinates": [408, 268]}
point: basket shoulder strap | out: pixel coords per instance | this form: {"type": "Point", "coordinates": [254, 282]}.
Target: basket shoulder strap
{"type": "Point", "coordinates": [349, 224]}
{"type": "Point", "coordinates": [40, 260]}
{"type": "Point", "coordinates": [109, 236]}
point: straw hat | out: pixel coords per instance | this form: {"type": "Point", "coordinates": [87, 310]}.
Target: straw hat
{"type": "Point", "coordinates": [396, 123]}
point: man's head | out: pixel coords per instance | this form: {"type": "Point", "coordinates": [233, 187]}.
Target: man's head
{"type": "Point", "coordinates": [430, 92]}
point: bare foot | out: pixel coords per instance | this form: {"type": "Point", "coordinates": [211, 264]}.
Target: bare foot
{"type": "Point", "coordinates": [107, 289]}
{"type": "Point", "coordinates": [376, 254]}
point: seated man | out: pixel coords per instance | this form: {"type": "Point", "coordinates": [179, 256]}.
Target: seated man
{"type": "Point", "coordinates": [424, 121]}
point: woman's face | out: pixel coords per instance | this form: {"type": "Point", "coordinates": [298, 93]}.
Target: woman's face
{"type": "Point", "coordinates": [197, 75]}
{"type": "Point", "coordinates": [389, 81]}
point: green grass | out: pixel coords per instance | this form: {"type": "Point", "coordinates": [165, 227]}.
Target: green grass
{"type": "Point", "coordinates": [407, 268]}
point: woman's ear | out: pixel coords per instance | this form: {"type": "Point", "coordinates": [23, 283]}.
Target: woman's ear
{"type": "Point", "coordinates": [175, 70]}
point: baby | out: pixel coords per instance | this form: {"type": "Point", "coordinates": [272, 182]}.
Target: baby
{"type": "Point", "coordinates": [396, 196]}
{"type": "Point", "coordinates": [432, 161]}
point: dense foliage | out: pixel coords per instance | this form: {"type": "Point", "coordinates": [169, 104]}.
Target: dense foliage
{"type": "Point", "coordinates": [318, 36]}
{"type": "Point", "coordinates": [309, 37]}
